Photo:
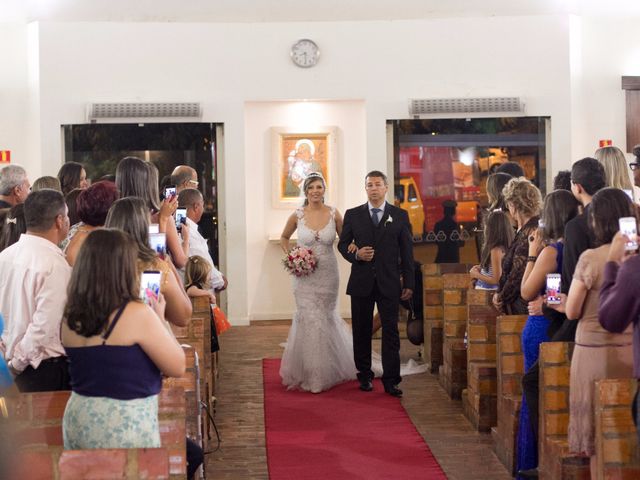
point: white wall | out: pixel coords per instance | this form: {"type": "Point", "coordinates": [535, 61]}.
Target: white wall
{"type": "Point", "coordinates": [239, 72]}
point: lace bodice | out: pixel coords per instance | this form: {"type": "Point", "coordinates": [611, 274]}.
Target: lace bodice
{"type": "Point", "coordinates": [321, 240]}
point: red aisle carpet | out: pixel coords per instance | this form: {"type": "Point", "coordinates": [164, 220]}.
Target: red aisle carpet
{"type": "Point", "coordinates": [341, 434]}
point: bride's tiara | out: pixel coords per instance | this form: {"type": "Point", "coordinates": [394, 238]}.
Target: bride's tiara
{"type": "Point", "coordinates": [315, 175]}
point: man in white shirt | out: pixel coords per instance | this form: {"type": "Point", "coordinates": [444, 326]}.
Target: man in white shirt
{"type": "Point", "coordinates": [33, 290]}
{"type": "Point", "coordinates": [192, 200]}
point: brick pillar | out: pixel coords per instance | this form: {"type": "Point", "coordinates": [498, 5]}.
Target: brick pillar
{"type": "Point", "coordinates": [617, 446]}
{"type": "Point", "coordinates": [453, 372]}
{"type": "Point", "coordinates": [554, 459]}
{"type": "Point", "coordinates": [510, 368]}
{"type": "Point", "coordinates": [479, 400]}
{"type": "Point", "coordinates": [433, 309]}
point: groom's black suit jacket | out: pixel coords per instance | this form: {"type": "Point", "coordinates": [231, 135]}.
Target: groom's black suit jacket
{"type": "Point", "coordinates": [393, 246]}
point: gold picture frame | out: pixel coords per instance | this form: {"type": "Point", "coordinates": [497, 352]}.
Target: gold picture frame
{"type": "Point", "coordinates": [297, 153]}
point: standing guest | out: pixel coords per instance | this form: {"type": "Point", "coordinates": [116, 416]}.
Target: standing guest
{"type": "Point", "coordinates": [13, 226]}
{"type": "Point", "coordinates": [562, 181]}
{"type": "Point", "coordinates": [620, 302]}
{"type": "Point", "coordinates": [635, 166]}
{"type": "Point", "coordinates": [14, 186]}
{"type": "Point", "coordinates": [495, 184]}
{"type": "Point", "coordinates": [511, 168]}
{"type": "Point", "coordinates": [447, 234]}
{"type": "Point", "coordinates": [71, 199]}
{"type": "Point", "coordinates": [616, 170]}
{"type": "Point", "coordinates": [545, 257]}
{"type": "Point", "coordinates": [137, 178]}
{"type": "Point", "coordinates": [523, 199]}
{"type": "Point", "coordinates": [183, 176]}
{"type": "Point", "coordinates": [598, 354]}
{"type": "Point", "coordinates": [498, 235]}
{"type": "Point", "coordinates": [130, 215]}
{"type": "Point", "coordinates": [46, 182]}
{"type": "Point", "coordinates": [72, 175]}
{"type": "Point", "coordinates": [93, 205]}
{"type": "Point", "coordinates": [587, 177]}
{"type": "Point", "coordinates": [33, 281]}
{"type": "Point", "coordinates": [117, 347]}
{"type": "Point", "coordinates": [192, 200]}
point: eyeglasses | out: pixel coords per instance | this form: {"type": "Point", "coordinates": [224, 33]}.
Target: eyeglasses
{"type": "Point", "coordinates": [634, 166]}
{"type": "Point", "coordinates": [195, 182]}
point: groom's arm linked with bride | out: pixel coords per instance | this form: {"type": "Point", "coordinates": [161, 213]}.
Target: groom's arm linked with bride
{"type": "Point", "coordinates": [382, 234]}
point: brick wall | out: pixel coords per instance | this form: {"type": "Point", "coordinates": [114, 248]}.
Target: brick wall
{"type": "Point", "coordinates": [480, 397]}
{"type": "Point", "coordinates": [555, 461]}
{"type": "Point", "coordinates": [453, 371]}
{"type": "Point", "coordinates": [616, 436]}
{"type": "Point", "coordinates": [510, 368]}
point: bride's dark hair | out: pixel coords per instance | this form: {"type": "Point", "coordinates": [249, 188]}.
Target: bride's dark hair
{"type": "Point", "coordinates": [312, 177]}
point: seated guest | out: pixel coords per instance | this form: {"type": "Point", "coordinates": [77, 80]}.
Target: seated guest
{"type": "Point", "coordinates": [192, 200]}
{"type": "Point", "coordinates": [92, 206]}
{"type": "Point", "coordinates": [620, 302]}
{"type": "Point", "coordinates": [137, 178]}
{"type": "Point", "coordinates": [33, 292]}
{"type": "Point", "coordinates": [131, 215]}
{"type": "Point", "coordinates": [118, 349]}
{"type": "Point", "coordinates": [72, 175]}
{"type": "Point", "coordinates": [46, 182]}
{"type": "Point", "coordinates": [523, 200]}
{"type": "Point", "coordinates": [14, 186]}
{"type": "Point", "coordinates": [12, 227]}
{"type": "Point", "coordinates": [545, 257]}
{"type": "Point", "coordinates": [598, 354]}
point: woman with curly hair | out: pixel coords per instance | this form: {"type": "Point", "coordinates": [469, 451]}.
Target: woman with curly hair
{"type": "Point", "coordinates": [524, 201]}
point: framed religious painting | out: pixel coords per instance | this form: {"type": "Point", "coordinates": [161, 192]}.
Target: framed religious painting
{"type": "Point", "coordinates": [296, 154]}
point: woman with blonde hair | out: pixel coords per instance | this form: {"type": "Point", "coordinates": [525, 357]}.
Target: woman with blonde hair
{"type": "Point", "coordinates": [616, 170]}
{"type": "Point", "coordinates": [524, 202]}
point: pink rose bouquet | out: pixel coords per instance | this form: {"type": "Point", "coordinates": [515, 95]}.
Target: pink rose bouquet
{"type": "Point", "coordinates": [300, 261]}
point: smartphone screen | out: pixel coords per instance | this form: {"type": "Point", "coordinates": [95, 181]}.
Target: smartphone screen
{"type": "Point", "coordinates": [150, 285]}
{"type": "Point", "coordinates": [170, 191]}
{"type": "Point", "coordinates": [158, 243]}
{"type": "Point", "coordinates": [181, 217]}
{"type": "Point", "coordinates": [553, 288]}
{"type": "Point", "coordinates": [629, 228]}
{"type": "Point", "coordinates": [154, 228]}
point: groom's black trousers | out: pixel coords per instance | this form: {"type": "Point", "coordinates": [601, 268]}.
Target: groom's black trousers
{"type": "Point", "coordinates": [362, 327]}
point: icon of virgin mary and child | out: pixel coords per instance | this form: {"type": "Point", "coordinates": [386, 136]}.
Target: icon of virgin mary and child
{"type": "Point", "coordinates": [301, 163]}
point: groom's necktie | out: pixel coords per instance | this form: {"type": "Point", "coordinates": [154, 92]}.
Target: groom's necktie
{"type": "Point", "coordinates": [374, 216]}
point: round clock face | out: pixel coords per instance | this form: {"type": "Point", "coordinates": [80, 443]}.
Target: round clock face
{"type": "Point", "coordinates": [305, 53]}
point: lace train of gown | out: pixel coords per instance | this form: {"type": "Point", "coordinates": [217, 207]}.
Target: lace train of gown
{"type": "Point", "coordinates": [319, 349]}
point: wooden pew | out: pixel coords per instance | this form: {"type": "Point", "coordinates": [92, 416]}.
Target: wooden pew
{"type": "Point", "coordinates": [37, 419]}
{"type": "Point", "coordinates": [617, 446]}
{"type": "Point", "coordinates": [55, 463]}
{"type": "Point", "coordinates": [479, 399]}
{"type": "Point", "coordinates": [433, 309]}
{"type": "Point", "coordinates": [554, 460]}
{"type": "Point", "coordinates": [453, 371]}
{"type": "Point", "coordinates": [510, 366]}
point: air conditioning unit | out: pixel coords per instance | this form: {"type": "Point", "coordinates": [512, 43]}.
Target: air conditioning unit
{"type": "Point", "coordinates": [440, 106]}
{"type": "Point", "coordinates": [143, 111]}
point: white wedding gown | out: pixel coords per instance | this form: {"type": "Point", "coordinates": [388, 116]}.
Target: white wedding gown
{"type": "Point", "coordinates": [319, 350]}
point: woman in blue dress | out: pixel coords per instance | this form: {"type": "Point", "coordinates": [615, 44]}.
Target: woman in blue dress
{"type": "Point", "coordinates": [545, 257]}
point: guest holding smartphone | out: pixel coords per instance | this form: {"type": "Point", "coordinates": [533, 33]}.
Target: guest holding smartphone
{"type": "Point", "coordinates": [117, 348]}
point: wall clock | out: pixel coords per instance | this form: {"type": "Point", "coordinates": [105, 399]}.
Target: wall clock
{"type": "Point", "coordinates": [305, 53]}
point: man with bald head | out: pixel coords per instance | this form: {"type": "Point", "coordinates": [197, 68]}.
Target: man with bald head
{"type": "Point", "coordinates": [183, 176]}
{"type": "Point", "coordinates": [14, 186]}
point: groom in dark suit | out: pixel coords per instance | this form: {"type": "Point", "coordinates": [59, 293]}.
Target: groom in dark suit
{"type": "Point", "coordinates": [382, 235]}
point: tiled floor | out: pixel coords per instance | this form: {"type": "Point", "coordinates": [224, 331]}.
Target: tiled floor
{"type": "Point", "coordinates": [462, 453]}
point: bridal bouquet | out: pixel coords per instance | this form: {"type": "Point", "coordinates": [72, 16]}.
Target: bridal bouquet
{"type": "Point", "coordinates": [300, 261]}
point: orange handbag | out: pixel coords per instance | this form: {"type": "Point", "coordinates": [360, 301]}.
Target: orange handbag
{"type": "Point", "coordinates": [220, 320]}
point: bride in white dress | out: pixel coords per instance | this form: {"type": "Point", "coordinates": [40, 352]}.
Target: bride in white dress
{"type": "Point", "coordinates": [319, 350]}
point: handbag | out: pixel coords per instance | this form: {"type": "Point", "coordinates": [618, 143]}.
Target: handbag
{"type": "Point", "coordinates": [220, 320]}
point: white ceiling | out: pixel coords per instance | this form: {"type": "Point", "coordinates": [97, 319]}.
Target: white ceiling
{"type": "Point", "coordinates": [298, 10]}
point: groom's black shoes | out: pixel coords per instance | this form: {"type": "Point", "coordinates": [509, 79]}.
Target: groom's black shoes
{"type": "Point", "coordinates": [366, 386]}
{"type": "Point", "coordinates": [393, 390]}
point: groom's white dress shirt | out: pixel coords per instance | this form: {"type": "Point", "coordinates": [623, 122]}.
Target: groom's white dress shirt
{"type": "Point", "coordinates": [198, 246]}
